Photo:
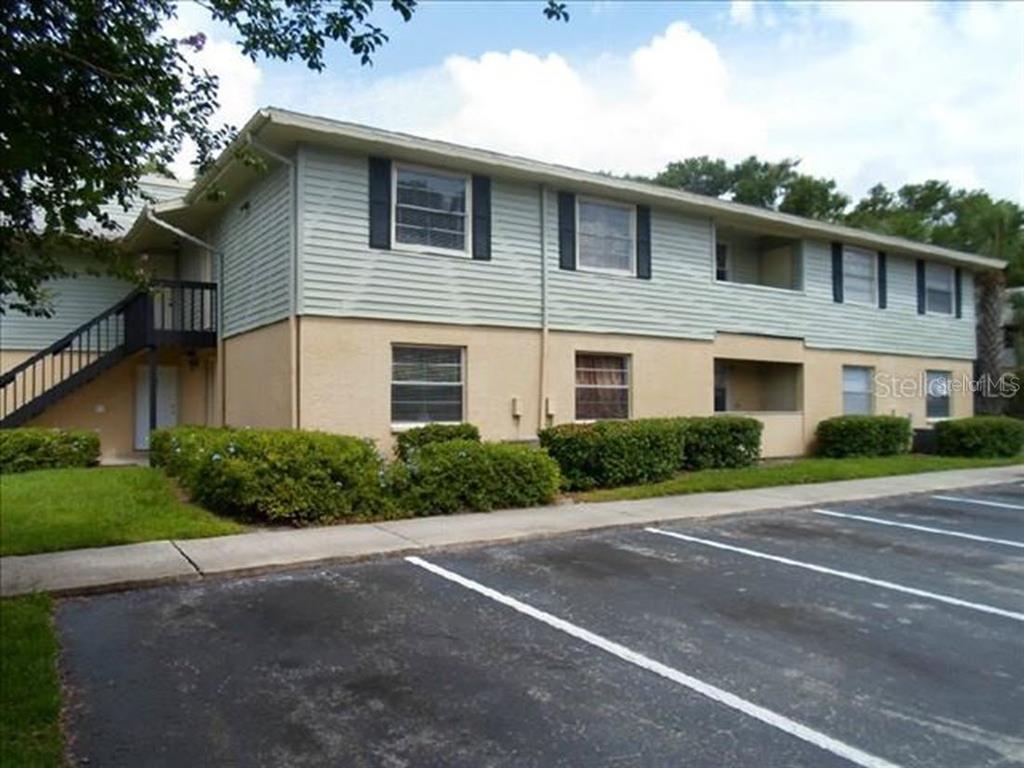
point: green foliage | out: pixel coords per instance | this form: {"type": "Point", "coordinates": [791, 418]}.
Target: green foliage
{"type": "Point", "coordinates": [30, 728]}
{"type": "Point", "coordinates": [411, 440]}
{"type": "Point", "coordinates": [844, 436]}
{"type": "Point", "coordinates": [29, 448]}
{"type": "Point", "coordinates": [288, 476]}
{"type": "Point", "coordinates": [458, 475]}
{"type": "Point", "coordinates": [180, 450]}
{"type": "Point", "coordinates": [613, 453]}
{"type": "Point", "coordinates": [718, 442]}
{"type": "Point", "coordinates": [983, 436]}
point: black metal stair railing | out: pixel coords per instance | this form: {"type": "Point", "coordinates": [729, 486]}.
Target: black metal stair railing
{"type": "Point", "coordinates": [166, 312]}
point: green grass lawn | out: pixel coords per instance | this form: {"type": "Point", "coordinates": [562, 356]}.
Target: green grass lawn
{"type": "Point", "coordinates": [57, 509]}
{"type": "Point", "coordinates": [30, 732]}
{"type": "Point", "coordinates": [790, 473]}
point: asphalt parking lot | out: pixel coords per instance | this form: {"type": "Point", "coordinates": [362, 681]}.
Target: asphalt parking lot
{"type": "Point", "coordinates": [879, 633]}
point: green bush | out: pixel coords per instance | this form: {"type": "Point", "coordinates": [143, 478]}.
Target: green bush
{"type": "Point", "coordinates": [289, 476]}
{"type": "Point", "coordinates": [179, 450]}
{"type": "Point", "coordinates": [610, 453]}
{"type": "Point", "coordinates": [458, 475]}
{"type": "Point", "coordinates": [415, 438]}
{"type": "Point", "coordinates": [844, 436]}
{"type": "Point", "coordinates": [720, 442]}
{"type": "Point", "coordinates": [983, 436]}
{"type": "Point", "coordinates": [606, 454]}
{"type": "Point", "coordinates": [28, 448]}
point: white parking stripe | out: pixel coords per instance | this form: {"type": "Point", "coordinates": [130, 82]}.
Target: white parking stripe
{"type": "Point", "coordinates": [731, 700]}
{"type": "Point", "coordinates": [844, 575]}
{"type": "Point", "coordinates": [982, 502]}
{"type": "Point", "coordinates": [925, 528]}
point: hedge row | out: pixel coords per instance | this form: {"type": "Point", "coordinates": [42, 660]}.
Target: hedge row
{"type": "Point", "coordinates": [28, 448]}
{"type": "Point", "coordinates": [300, 477]}
{"type": "Point", "coordinates": [611, 453]}
{"type": "Point", "coordinates": [845, 436]}
{"type": "Point", "coordinates": [985, 436]}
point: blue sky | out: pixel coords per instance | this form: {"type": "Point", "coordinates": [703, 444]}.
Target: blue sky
{"type": "Point", "coordinates": [862, 92]}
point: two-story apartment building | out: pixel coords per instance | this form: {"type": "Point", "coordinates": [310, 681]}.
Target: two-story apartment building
{"type": "Point", "coordinates": [366, 281]}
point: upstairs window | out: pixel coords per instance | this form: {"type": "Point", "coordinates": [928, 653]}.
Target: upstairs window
{"type": "Point", "coordinates": [721, 261]}
{"type": "Point", "coordinates": [431, 209]}
{"type": "Point", "coordinates": [860, 276]}
{"type": "Point", "coordinates": [937, 387]}
{"type": "Point", "coordinates": [938, 288]}
{"type": "Point", "coordinates": [426, 384]}
{"type": "Point", "coordinates": [606, 237]}
{"type": "Point", "coordinates": [857, 390]}
{"type": "Point", "coordinates": [602, 386]}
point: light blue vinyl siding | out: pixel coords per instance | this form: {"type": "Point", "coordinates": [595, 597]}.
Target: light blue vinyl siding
{"type": "Point", "coordinates": [341, 276]}
{"type": "Point", "coordinates": [253, 238]}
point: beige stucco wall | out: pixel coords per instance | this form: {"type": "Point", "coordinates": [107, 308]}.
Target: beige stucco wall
{"type": "Point", "coordinates": [257, 378]}
{"type": "Point", "coordinates": [345, 377]}
{"type": "Point", "coordinates": [107, 403]}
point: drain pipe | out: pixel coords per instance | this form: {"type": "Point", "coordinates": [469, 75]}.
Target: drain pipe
{"type": "Point", "coordinates": [293, 271]}
{"type": "Point", "coordinates": [542, 408]}
{"type": "Point", "coordinates": [218, 271]}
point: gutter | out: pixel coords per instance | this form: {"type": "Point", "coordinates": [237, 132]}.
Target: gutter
{"type": "Point", "coordinates": [542, 406]}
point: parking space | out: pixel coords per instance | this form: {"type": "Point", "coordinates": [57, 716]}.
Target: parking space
{"type": "Point", "coordinates": [783, 638]}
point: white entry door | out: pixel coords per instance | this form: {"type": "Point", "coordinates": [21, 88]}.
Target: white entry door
{"type": "Point", "coordinates": [166, 401]}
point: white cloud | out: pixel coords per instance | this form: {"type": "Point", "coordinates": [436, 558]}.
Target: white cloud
{"type": "Point", "coordinates": [862, 92]}
{"type": "Point", "coordinates": [239, 77]}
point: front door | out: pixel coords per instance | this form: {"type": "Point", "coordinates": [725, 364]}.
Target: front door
{"type": "Point", "coordinates": [166, 401]}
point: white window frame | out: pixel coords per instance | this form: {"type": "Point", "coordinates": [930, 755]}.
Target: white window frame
{"type": "Point", "coordinates": [629, 384]}
{"type": "Point", "coordinates": [928, 266]}
{"type": "Point", "coordinates": [871, 390]}
{"type": "Point", "coordinates": [402, 426]}
{"type": "Point", "coordinates": [631, 272]}
{"type": "Point", "coordinates": [873, 259]}
{"type": "Point", "coordinates": [466, 251]}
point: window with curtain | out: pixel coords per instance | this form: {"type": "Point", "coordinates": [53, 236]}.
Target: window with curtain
{"type": "Point", "coordinates": [938, 288]}
{"type": "Point", "coordinates": [602, 386]}
{"type": "Point", "coordinates": [857, 396]}
{"type": "Point", "coordinates": [606, 236]}
{"type": "Point", "coordinates": [426, 384]}
{"type": "Point", "coordinates": [860, 279]}
{"type": "Point", "coordinates": [937, 394]}
{"type": "Point", "coordinates": [430, 208]}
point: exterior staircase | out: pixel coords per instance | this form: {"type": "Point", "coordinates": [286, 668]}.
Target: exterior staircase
{"type": "Point", "coordinates": [163, 313]}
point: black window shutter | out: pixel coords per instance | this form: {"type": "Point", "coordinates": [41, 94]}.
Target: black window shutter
{"type": "Point", "coordinates": [837, 273]}
{"type": "Point", "coordinates": [883, 281]}
{"type": "Point", "coordinates": [958, 287]}
{"type": "Point", "coordinates": [380, 202]}
{"type": "Point", "coordinates": [566, 230]}
{"type": "Point", "coordinates": [643, 242]}
{"type": "Point", "coordinates": [920, 287]}
{"type": "Point", "coordinates": [481, 218]}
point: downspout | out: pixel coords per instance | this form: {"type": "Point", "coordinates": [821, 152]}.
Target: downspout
{"type": "Point", "coordinates": [293, 290]}
{"type": "Point", "coordinates": [541, 399]}
{"type": "Point", "coordinates": [219, 272]}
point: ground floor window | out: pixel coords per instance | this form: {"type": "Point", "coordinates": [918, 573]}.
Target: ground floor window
{"type": "Point", "coordinates": [427, 384]}
{"type": "Point", "coordinates": [602, 386]}
{"type": "Point", "coordinates": [857, 397]}
{"type": "Point", "coordinates": [721, 387]}
{"type": "Point", "coordinates": [937, 389]}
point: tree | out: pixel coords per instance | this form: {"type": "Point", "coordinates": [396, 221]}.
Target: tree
{"type": "Point", "coordinates": [94, 92]}
{"type": "Point", "coordinates": [777, 186]}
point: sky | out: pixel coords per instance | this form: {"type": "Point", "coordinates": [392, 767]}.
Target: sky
{"type": "Point", "coordinates": [861, 92]}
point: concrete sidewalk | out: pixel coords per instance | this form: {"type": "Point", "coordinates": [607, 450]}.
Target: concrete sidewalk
{"type": "Point", "coordinates": [135, 565]}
